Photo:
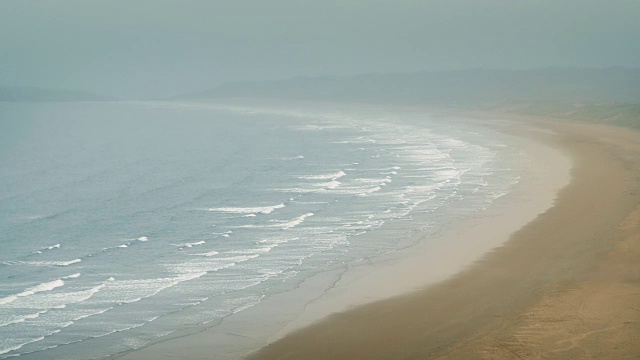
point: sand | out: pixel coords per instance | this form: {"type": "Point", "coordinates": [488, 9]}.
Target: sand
{"type": "Point", "coordinates": [560, 277]}
{"type": "Point", "coordinates": [565, 286]}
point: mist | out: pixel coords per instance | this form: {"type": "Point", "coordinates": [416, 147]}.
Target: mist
{"type": "Point", "coordinates": [160, 48]}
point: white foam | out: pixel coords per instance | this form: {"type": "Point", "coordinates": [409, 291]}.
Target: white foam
{"type": "Point", "coordinates": [130, 291]}
{"type": "Point", "coordinates": [56, 300]}
{"type": "Point", "coordinates": [23, 318]}
{"type": "Point", "coordinates": [19, 346]}
{"type": "Point", "coordinates": [123, 246]}
{"type": "Point", "coordinates": [329, 185]}
{"type": "Point", "coordinates": [370, 191]}
{"type": "Point", "coordinates": [48, 286]}
{"type": "Point", "coordinates": [143, 238]}
{"type": "Point", "coordinates": [299, 157]}
{"type": "Point", "coordinates": [56, 246]}
{"type": "Point", "coordinates": [357, 140]}
{"type": "Point", "coordinates": [295, 222]}
{"type": "Point", "coordinates": [332, 176]}
{"type": "Point", "coordinates": [45, 263]}
{"type": "Point", "coordinates": [237, 259]}
{"type": "Point", "coordinates": [33, 340]}
{"type": "Point", "coordinates": [248, 210]}
{"type": "Point", "coordinates": [277, 241]}
{"type": "Point", "coordinates": [194, 244]}
{"type": "Point", "coordinates": [261, 250]}
{"type": "Point", "coordinates": [281, 224]}
{"type": "Point", "coordinates": [208, 254]}
{"type": "Point", "coordinates": [374, 181]}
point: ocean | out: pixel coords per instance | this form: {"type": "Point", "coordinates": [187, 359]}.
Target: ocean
{"type": "Point", "coordinates": [121, 222]}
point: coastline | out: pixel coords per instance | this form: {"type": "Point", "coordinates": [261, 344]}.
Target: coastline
{"type": "Point", "coordinates": [564, 286]}
{"type": "Point", "coordinates": [397, 274]}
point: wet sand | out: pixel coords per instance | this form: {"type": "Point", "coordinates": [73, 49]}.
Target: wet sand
{"type": "Point", "coordinates": [565, 286]}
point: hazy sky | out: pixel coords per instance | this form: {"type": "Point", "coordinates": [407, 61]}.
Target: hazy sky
{"type": "Point", "coordinates": [163, 47]}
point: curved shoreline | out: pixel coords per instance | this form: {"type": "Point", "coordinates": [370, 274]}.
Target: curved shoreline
{"type": "Point", "coordinates": [566, 285]}
{"type": "Point", "coordinates": [399, 273]}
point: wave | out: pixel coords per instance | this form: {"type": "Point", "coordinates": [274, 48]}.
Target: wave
{"type": "Point", "coordinates": [370, 191]}
{"type": "Point", "coordinates": [195, 243]}
{"type": "Point", "coordinates": [299, 157]}
{"type": "Point", "coordinates": [208, 254]}
{"type": "Point", "coordinates": [49, 263]}
{"type": "Point", "coordinates": [342, 189]}
{"type": "Point", "coordinates": [131, 291]}
{"type": "Point", "coordinates": [332, 176]}
{"type": "Point", "coordinates": [329, 185]}
{"type": "Point", "coordinates": [277, 241]}
{"type": "Point", "coordinates": [374, 181]}
{"type": "Point", "coordinates": [20, 346]}
{"type": "Point", "coordinates": [248, 210]}
{"type": "Point", "coordinates": [295, 222]}
{"type": "Point", "coordinates": [357, 140]}
{"type": "Point", "coordinates": [52, 247]}
{"type": "Point", "coordinates": [143, 238]}
{"type": "Point", "coordinates": [284, 225]}
{"type": "Point", "coordinates": [48, 286]}
{"type": "Point", "coordinates": [261, 250]}
{"type": "Point", "coordinates": [46, 248]}
{"type": "Point", "coordinates": [190, 245]}
{"type": "Point", "coordinates": [224, 234]}
{"type": "Point", "coordinates": [22, 318]}
{"type": "Point", "coordinates": [34, 340]}
{"type": "Point", "coordinates": [57, 300]}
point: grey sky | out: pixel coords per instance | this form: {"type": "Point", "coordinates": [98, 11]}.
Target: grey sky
{"type": "Point", "coordinates": [162, 47]}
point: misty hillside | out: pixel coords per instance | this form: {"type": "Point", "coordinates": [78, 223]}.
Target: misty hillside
{"type": "Point", "coordinates": [32, 94]}
{"type": "Point", "coordinates": [599, 95]}
{"type": "Point", "coordinates": [452, 87]}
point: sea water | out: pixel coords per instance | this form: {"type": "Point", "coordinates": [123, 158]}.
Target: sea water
{"type": "Point", "coordinates": [124, 222]}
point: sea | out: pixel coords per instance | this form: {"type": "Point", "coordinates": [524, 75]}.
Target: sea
{"type": "Point", "coordinates": [125, 222]}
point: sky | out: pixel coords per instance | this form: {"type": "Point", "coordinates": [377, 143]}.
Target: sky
{"type": "Point", "coordinates": [156, 48]}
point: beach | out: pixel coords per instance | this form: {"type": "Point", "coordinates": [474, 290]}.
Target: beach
{"type": "Point", "coordinates": [351, 180]}
{"type": "Point", "coordinates": [565, 286]}
{"type": "Point", "coordinates": [557, 278]}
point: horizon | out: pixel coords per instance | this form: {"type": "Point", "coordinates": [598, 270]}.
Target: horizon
{"type": "Point", "coordinates": [154, 49]}
{"type": "Point", "coordinates": [313, 179]}
{"type": "Point", "coordinates": [313, 77]}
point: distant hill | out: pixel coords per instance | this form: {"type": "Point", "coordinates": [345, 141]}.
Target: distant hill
{"type": "Point", "coordinates": [33, 94]}
{"type": "Point", "coordinates": [450, 87]}
{"type": "Point", "coordinates": [599, 95]}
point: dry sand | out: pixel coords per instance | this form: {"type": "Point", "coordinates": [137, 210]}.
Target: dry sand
{"type": "Point", "coordinates": [565, 286]}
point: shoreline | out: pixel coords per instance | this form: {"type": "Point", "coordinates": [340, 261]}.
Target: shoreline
{"type": "Point", "coordinates": [250, 330]}
{"type": "Point", "coordinates": [564, 286]}
{"type": "Point", "coordinates": [459, 245]}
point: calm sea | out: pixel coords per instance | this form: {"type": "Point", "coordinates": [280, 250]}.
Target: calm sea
{"type": "Point", "coordinates": [123, 222]}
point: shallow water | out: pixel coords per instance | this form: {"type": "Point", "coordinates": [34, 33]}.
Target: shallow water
{"type": "Point", "coordinates": [122, 222]}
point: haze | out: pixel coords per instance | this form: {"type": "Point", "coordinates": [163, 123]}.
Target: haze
{"type": "Point", "coordinates": [155, 48]}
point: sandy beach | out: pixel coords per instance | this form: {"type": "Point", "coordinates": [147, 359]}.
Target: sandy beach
{"type": "Point", "coordinates": [565, 286]}
{"type": "Point", "coordinates": [559, 277]}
